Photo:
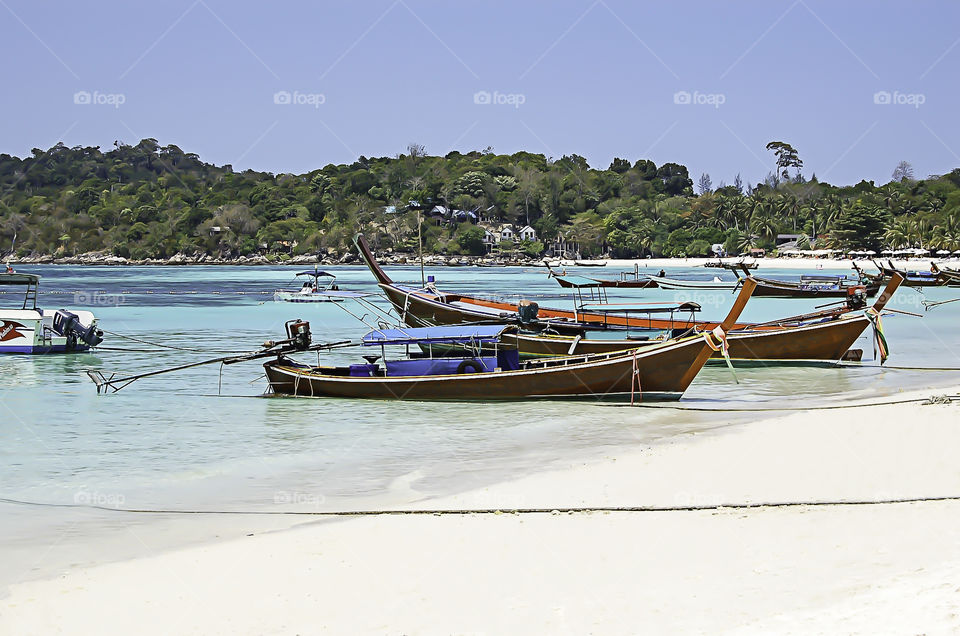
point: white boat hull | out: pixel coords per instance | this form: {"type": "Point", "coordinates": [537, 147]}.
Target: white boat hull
{"type": "Point", "coordinates": [297, 297]}
{"type": "Point", "coordinates": [31, 332]}
{"type": "Point", "coordinates": [672, 283]}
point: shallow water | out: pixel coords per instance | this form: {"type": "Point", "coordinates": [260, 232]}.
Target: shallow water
{"type": "Point", "coordinates": [170, 442]}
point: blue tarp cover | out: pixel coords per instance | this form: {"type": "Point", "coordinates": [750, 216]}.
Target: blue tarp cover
{"type": "Point", "coordinates": [426, 335]}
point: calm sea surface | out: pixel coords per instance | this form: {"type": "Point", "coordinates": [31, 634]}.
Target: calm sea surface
{"type": "Point", "coordinates": [170, 442]}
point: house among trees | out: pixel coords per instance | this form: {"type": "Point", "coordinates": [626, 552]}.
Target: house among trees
{"type": "Point", "coordinates": [493, 236]}
{"type": "Point", "coordinates": [489, 239]}
{"type": "Point", "coordinates": [562, 248]}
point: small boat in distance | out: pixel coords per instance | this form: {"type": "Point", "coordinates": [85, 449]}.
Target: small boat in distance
{"type": "Point", "coordinates": [627, 280]}
{"type": "Point", "coordinates": [933, 278]}
{"type": "Point", "coordinates": [817, 286]}
{"type": "Point", "coordinates": [31, 329]}
{"type": "Point", "coordinates": [314, 290]}
{"type": "Point", "coordinates": [720, 263]}
{"type": "Point", "coordinates": [708, 285]}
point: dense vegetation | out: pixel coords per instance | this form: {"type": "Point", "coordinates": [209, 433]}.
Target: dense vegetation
{"type": "Point", "coordinates": [147, 201]}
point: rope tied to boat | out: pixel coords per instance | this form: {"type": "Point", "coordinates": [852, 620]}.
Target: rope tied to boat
{"type": "Point", "coordinates": [635, 380]}
{"type": "Point", "coordinates": [721, 346]}
{"type": "Point", "coordinates": [880, 345]}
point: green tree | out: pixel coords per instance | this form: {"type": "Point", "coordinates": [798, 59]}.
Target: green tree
{"type": "Point", "coordinates": [860, 227]}
{"type": "Point", "coordinates": [787, 158]}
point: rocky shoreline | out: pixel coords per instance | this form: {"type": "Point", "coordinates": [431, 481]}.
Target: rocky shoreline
{"type": "Point", "coordinates": [106, 258]}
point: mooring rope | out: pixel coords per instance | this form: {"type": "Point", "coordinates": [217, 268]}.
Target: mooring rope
{"type": "Point", "coordinates": [495, 511]}
{"type": "Point", "coordinates": [166, 346]}
{"type": "Point", "coordinates": [944, 399]}
{"type": "Point", "coordinates": [934, 399]}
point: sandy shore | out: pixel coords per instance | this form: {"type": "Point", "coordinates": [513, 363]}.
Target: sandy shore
{"type": "Point", "coordinates": [834, 569]}
{"type": "Point", "coordinates": [806, 264]}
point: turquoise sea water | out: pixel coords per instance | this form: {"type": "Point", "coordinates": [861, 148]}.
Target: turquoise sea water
{"type": "Point", "coordinates": [169, 442]}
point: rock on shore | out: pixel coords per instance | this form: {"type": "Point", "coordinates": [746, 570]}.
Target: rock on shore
{"type": "Point", "coordinates": [107, 258]}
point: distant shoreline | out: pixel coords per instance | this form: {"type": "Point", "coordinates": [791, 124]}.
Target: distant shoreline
{"type": "Point", "coordinates": [601, 268]}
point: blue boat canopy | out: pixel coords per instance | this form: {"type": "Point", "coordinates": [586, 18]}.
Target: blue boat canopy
{"type": "Point", "coordinates": [431, 335]}
{"type": "Point", "coordinates": [316, 273]}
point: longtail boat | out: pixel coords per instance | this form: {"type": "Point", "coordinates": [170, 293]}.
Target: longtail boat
{"type": "Point", "coordinates": [627, 280]}
{"type": "Point", "coordinates": [488, 367]}
{"type": "Point", "coordinates": [814, 286]}
{"type": "Point", "coordinates": [933, 278]}
{"type": "Point", "coordinates": [714, 284]}
{"type": "Point", "coordinates": [824, 335]}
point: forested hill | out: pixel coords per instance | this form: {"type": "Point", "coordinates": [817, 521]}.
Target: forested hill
{"type": "Point", "coordinates": [150, 201]}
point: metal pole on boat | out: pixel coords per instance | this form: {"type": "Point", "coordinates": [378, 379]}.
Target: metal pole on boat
{"type": "Point", "coordinates": [423, 279]}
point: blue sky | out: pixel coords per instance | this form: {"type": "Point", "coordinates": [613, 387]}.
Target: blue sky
{"type": "Point", "coordinates": [291, 87]}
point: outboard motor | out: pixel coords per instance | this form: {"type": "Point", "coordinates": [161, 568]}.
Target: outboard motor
{"type": "Point", "coordinates": [856, 296]}
{"type": "Point", "coordinates": [68, 325]}
{"type": "Point", "coordinates": [298, 333]}
{"type": "Point", "coordinates": [527, 311]}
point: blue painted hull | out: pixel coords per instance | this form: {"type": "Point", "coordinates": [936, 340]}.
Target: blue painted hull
{"type": "Point", "coordinates": [41, 350]}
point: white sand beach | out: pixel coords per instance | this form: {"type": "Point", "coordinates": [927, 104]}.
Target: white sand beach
{"type": "Point", "coordinates": [806, 264]}
{"type": "Point", "coordinates": [891, 568]}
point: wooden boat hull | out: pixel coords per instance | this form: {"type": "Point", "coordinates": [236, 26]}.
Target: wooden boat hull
{"type": "Point", "coordinates": [769, 289]}
{"type": "Point", "coordinates": [819, 342]}
{"type": "Point", "coordinates": [619, 284]}
{"type": "Point", "coordinates": [826, 339]}
{"type": "Point", "coordinates": [663, 371]}
{"type": "Point", "coordinates": [915, 279]}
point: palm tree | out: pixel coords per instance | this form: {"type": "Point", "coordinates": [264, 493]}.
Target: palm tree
{"type": "Point", "coordinates": [765, 226]}
{"type": "Point", "coordinates": [897, 235]}
{"type": "Point", "coordinates": [790, 206]}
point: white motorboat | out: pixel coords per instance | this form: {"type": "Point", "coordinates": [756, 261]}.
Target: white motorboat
{"type": "Point", "coordinates": [31, 329]}
{"type": "Point", "coordinates": [320, 287]}
{"type": "Point", "coordinates": [676, 283]}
